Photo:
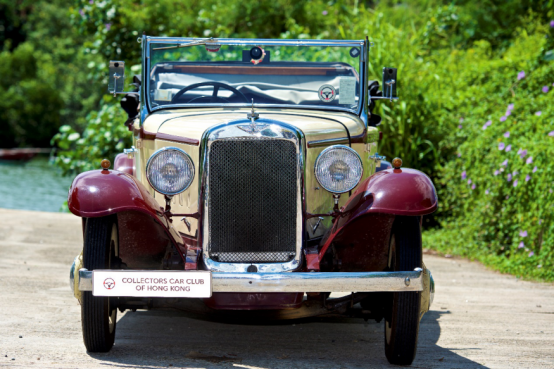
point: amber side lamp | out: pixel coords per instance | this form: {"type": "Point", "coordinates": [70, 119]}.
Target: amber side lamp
{"type": "Point", "coordinates": [105, 164]}
{"type": "Point", "coordinates": [397, 163]}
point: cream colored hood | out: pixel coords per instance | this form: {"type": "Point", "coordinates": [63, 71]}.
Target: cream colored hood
{"type": "Point", "coordinates": [192, 123]}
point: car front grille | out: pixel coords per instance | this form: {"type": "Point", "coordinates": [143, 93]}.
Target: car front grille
{"type": "Point", "coordinates": [252, 200]}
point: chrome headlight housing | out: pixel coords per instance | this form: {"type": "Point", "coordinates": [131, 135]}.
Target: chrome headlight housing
{"type": "Point", "coordinates": [170, 171]}
{"type": "Point", "coordinates": [338, 169]}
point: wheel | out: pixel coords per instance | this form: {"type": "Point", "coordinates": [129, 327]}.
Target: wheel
{"type": "Point", "coordinates": [98, 314]}
{"type": "Point", "coordinates": [402, 321]}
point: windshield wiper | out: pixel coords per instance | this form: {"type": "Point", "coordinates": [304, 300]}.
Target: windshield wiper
{"type": "Point", "coordinates": [192, 43]}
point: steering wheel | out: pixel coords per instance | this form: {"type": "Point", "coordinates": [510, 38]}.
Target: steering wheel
{"type": "Point", "coordinates": [214, 97]}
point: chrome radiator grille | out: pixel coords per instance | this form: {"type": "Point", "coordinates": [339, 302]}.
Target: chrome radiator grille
{"type": "Point", "coordinates": [252, 200]}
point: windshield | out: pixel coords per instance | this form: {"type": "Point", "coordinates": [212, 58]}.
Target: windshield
{"type": "Point", "coordinates": [218, 73]}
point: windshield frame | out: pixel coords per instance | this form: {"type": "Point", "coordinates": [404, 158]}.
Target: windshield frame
{"type": "Point", "coordinates": [147, 42]}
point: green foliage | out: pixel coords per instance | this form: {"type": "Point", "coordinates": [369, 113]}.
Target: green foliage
{"type": "Point", "coordinates": [496, 194]}
{"type": "Point", "coordinates": [104, 136]}
{"type": "Point", "coordinates": [29, 105]}
{"type": "Point", "coordinates": [45, 80]}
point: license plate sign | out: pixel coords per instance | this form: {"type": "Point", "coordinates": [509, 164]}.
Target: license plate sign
{"type": "Point", "coordinates": [176, 284]}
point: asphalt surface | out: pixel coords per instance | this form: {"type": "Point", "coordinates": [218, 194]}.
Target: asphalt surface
{"type": "Point", "coordinates": [479, 319]}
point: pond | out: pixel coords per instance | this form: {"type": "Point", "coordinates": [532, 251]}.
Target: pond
{"type": "Point", "coordinates": [33, 185]}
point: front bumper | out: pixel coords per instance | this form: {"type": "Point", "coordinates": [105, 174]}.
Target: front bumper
{"type": "Point", "coordinates": [293, 282]}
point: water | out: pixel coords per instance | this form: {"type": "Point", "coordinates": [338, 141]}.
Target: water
{"type": "Point", "coordinates": [34, 185]}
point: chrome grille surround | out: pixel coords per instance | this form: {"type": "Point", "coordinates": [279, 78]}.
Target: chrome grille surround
{"type": "Point", "coordinates": [273, 131]}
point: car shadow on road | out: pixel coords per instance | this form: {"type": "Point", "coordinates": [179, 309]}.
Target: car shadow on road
{"type": "Point", "coordinates": [168, 338]}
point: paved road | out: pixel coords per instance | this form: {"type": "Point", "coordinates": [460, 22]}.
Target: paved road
{"type": "Point", "coordinates": [479, 319]}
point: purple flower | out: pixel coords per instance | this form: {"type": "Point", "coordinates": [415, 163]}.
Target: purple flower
{"type": "Point", "coordinates": [535, 169]}
{"type": "Point", "coordinates": [469, 181]}
{"type": "Point", "coordinates": [515, 183]}
{"type": "Point", "coordinates": [511, 107]}
{"type": "Point", "coordinates": [529, 160]}
{"type": "Point", "coordinates": [324, 12]}
{"type": "Point", "coordinates": [503, 118]}
{"type": "Point", "coordinates": [552, 23]}
{"type": "Point", "coordinates": [461, 119]}
{"type": "Point", "coordinates": [507, 197]}
{"type": "Point", "coordinates": [508, 112]}
{"type": "Point", "coordinates": [515, 173]}
{"type": "Point", "coordinates": [485, 126]}
{"type": "Point", "coordinates": [507, 134]}
{"type": "Point", "coordinates": [509, 177]}
{"type": "Point", "coordinates": [91, 2]}
{"type": "Point", "coordinates": [505, 163]}
{"type": "Point", "coordinates": [501, 146]}
{"type": "Point", "coordinates": [108, 26]}
{"type": "Point", "coordinates": [521, 245]}
{"type": "Point", "coordinates": [473, 186]}
{"type": "Point", "coordinates": [487, 191]}
{"type": "Point", "coordinates": [496, 173]}
{"type": "Point", "coordinates": [520, 75]}
{"type": "Point", "coordinates": [508, 148]}
{"type": "Point", "coordinates": [523, 233]}
{"type": "Point", "coordinates": [531, 254]}
{"type": "Point", "coordinates": [538, 113]}
{"type": "Point", "coordinates": [540, 222]}
{"type": "Point", "coordinates": [545, 89]}
{"type": "Point", "coordinates": [464, 175]}
{"type": "Point", "coordinates": [459, 126]}
{"type": "Point", "coordinates": [459, 155]}
{"type": "Point", "coordinates": [527, 178]}
{"type": "Point", "coordinates": [82, 12]}
{"type": "Point", "coordinates": [551, 133]}
{"type": "Point", "coordinates": [523, 153]}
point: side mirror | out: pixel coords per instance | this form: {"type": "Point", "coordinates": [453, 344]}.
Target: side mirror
{"type": "Point", "coordinates": [116, 77]}
{"type": "Point", "coordinates": [389, 83]}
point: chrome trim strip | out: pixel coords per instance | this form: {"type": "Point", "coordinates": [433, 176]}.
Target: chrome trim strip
{"type": "Point", "coordinates": [291, 282]}
{"type": "Point", "coordinates": [85, 280]}
{"type": "Point", "coordinates": [274, 130]}
{"type": "Point", "coordinates": [277, 42]}
{"type": "Point", "coordinates": [327, 142]}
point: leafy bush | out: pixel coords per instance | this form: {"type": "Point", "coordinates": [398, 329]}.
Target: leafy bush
{"type": "Point", "coordinates": [496, 194]}
{"type": "Point", "coordinates": [104, 136]}
{"type": "Point", "coordinates": [29, 105]}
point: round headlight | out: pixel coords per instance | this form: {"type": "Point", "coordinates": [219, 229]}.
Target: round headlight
{"type": "Point", "coordinates": [338, 169]}
{"type": "Point", "coordinates": [170, 171]}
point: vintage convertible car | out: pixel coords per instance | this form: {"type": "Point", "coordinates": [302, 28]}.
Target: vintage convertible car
{"type": "Point", "coordinates": [254, 184]}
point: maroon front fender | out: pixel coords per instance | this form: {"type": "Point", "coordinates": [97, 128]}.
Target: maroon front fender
{"type": "Point", "coordinates": [405, 192]}
{"type": "Point", "coordinates": [102, 193]}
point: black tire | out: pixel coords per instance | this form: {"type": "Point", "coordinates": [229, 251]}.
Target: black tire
{"type": "Point", "coordinates": [98, 314]}
{"type": "Point", "coordinates": [402, 323]}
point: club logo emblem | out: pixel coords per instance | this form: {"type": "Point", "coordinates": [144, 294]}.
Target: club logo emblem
{"type": "Point", "coordinates": [109, 283]}
{"type": "Point", "coordinates": [327, 93]}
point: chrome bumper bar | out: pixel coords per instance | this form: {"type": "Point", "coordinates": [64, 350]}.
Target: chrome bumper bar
{"type": "Point", "coordinates": [292, 282]}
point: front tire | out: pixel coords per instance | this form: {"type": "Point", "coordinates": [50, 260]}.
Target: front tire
{"type": "Point", "coordinates": [98, 314]}
{"type": "Point", "coordinates": [402, 323]}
